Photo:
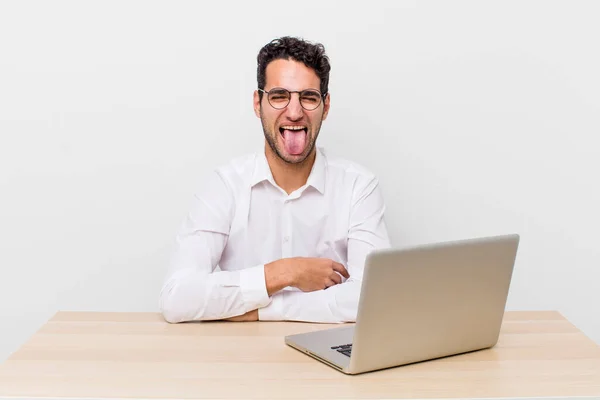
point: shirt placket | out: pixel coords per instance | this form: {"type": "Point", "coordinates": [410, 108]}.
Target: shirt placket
{"type": "Point", "coordinates": [286, 229]}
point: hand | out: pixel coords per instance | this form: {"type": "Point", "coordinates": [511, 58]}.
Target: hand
{"type": "Point", "coordinates": [307, 274]}
{"type": "Point", "coordinates": [249, 316]}
{"type": "Point", "coordinates": [317, 273]}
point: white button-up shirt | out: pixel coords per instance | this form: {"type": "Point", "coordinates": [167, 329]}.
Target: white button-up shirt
{"type": "Point", "coordinates": [241, 220]}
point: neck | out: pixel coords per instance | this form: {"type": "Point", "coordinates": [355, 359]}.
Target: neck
{"type": "Point", "coordinates": [288, 176]}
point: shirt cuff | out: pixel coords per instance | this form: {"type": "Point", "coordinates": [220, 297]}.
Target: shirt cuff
{"type": "Point", "coordinates": [254, 287]}
{"type": "Point", "coordinates": [274, 311]}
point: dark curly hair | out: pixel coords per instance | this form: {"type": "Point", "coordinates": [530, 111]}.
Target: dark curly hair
{"type": "Point", "coordinates": [286, 47]}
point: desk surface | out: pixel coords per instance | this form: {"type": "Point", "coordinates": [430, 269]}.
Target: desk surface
{"type": "Point", "coordinates": [138, 355]}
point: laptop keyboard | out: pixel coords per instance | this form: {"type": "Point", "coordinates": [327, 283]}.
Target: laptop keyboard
{"type": "Point", "coordinates": [345, 349]}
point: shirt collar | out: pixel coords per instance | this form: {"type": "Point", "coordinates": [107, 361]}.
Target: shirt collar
{"type": "Point", "coordinates": [316, 178]}
{"type": "Point", "coordinates": [261, 171]}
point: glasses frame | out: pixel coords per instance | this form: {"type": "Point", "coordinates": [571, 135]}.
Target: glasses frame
{"type": "Point", "coordinates": [322, 97]}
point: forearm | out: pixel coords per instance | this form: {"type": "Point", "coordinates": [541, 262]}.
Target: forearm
{"type": "Point", "coordinates": [190, 295]}
{"type": "Point", "coordinates": [278, 276]}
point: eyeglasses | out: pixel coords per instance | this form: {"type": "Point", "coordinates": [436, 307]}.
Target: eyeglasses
{"type": "Point", "coordinates": [279, 98]}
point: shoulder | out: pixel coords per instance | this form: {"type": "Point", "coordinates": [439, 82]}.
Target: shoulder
{"type": "Point", "coordinates": [238, 169]}
{"type": "Point", "coordinates": [340, 168]}
{"type": "Point", "coordinates": [352, 180]}
{"type": "Point", "coordinates": [356, 185]}
{"type": "Point", "coordinates": [229, 178]}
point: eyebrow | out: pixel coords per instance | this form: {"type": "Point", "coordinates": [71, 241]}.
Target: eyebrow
{"type": "Point", "coordinates": [314, 91]}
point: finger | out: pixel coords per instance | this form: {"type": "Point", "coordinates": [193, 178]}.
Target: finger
{"type": "Point", "coordinates": [330, 283]}
{"type": "Point", "coordinates": [340, 268]}
{"type": "Point", "coordinates": [336, 278]}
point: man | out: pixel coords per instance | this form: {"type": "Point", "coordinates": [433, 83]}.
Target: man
{"type": "Point", "coordinates": [289, 227]}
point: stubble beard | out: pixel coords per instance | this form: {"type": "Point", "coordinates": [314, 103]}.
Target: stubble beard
{"type": "Point", "coordinates": [271, 138]}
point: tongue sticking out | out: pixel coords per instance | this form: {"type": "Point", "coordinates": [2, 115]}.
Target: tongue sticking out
{"type": "Point", "coordinates": [295, 141]}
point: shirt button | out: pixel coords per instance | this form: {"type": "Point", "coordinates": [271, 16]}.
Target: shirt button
{"type": "Point", "coordinates": [286, 239]}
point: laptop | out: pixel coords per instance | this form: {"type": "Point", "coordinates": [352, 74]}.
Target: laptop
{"type": "Point", "coordinates": [421, 303]}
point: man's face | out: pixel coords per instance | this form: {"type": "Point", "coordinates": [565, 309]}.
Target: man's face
{"type": "Point", "coordinates": [291, 132]}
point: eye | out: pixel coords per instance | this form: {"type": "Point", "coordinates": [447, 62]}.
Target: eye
{"type": "Point", "coordinates": [279, 95]}
{"type": "Point", "coordinates": [311, 97]}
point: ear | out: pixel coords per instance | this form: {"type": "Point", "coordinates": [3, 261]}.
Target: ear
{"type": "Point", "coordinates": [326, 106]}
{"type": "Point", "coordinates": [256, 104]}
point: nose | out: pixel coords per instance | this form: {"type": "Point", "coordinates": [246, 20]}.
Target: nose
{"type": "Point", "coordinates": [294, 110]}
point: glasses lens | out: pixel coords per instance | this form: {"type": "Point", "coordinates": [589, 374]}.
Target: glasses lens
{"type": "Point", "coordinates": [310, 99]}
{"type": "Point", "coordinates": [279, 98]}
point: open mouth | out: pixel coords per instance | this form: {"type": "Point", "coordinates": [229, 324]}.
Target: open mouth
{"type": "Point", "coordinates": [292, 128]}
{"type": "Point", "coordinates": [294, 138]}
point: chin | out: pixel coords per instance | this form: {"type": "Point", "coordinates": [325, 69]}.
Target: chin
{"type": "Point", "coordinates": [295, 158]}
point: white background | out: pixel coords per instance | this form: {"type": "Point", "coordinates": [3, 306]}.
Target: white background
{"type": "Point", "coordinates": [480, 118]}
